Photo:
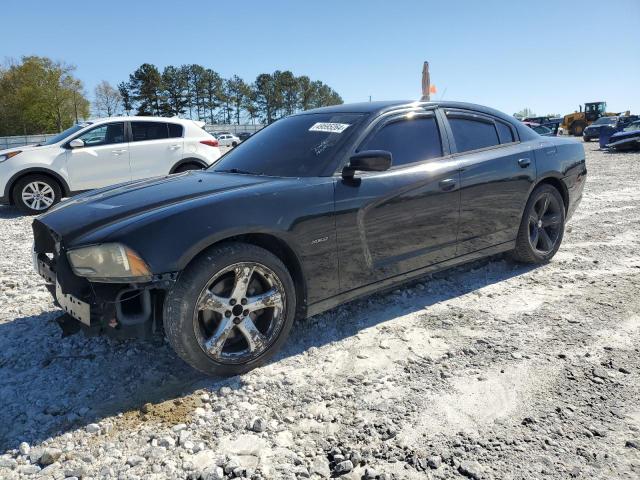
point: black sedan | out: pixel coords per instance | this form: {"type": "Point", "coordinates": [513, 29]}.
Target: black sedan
{"type": "Point", "coordinates": [313, 211]}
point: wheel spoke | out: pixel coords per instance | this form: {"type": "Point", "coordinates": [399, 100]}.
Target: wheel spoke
{"type": "Point", "coordinates": [272, 298]}
{"type": "Point", "coordinates": [545, 206]}
{"type": "Point", "coordinates": [243, 277]}
{"type": "Point", "coordinates": [252, 335]}
{"type": "Point", "coordinates": [535, 237]}
{"type": "Point", "coordinates": [215, 344]}
{"type": "Point", "coordinates": [551, 220]}
{"type": "Point", "coordinates": [210, 301]}
{"type": "Point", "coordinates": [547, 244]}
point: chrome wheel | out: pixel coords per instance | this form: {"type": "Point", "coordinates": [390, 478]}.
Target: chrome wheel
{"type": "Point", "coordinates": [545, 223]}
{"type": "Point", "coordinates": [38, 195]}
{"type": "Point", "coordinates": [239, 313]}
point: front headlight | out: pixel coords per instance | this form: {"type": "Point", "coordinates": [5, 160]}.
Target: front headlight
{"type": "Point", "coordinates": [6, 156]}
{"type": "Point", "coordinates": [109, 262]}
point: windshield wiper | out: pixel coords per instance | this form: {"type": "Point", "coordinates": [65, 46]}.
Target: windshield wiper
{"type": "Point", "coordinates": [237, 170]}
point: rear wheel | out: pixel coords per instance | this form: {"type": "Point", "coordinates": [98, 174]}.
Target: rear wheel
{"type": "Point", "coordinates": [35, 194]}
{"type": "Point", "coordinates": [230, 310]}
{"type": "Point", "coordinates": [188, 166]}
{"type": "Point", "coordinates": [542, 226]}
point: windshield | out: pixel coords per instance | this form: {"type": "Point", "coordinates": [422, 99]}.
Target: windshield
{"type": "Point", "coordinates": [296, 146]}
{"type": "Point", "coordinates": [605, 121]}
{"type": "Point", "coordinates": [633, 127]}
{"type": "Point", "coordinates": [69, 131]}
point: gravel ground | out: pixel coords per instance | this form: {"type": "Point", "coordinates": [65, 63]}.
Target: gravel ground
{"type": "Point", "coordinates": [492, 370]}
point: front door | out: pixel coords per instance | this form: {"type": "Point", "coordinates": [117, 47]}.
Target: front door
{"type": "Point", "coordinates": [102, 161]}
{"type": "Point", "coordinates": [393, 222]}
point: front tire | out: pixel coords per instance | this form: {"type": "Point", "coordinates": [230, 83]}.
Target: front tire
{"type": "Point", "coordinates": [231, 309]}
{"type": "Point", "coordinates": [35, 194]}
{"type": "Point", "coordinates": [542, 226]}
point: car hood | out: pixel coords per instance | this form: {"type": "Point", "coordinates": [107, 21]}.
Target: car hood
{"type": "Point", "coordinates": [26, 148]}
{"type": "Point", "coordinates": [106, 206]}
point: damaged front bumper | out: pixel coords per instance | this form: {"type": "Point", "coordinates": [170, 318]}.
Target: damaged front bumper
{"type": "Point", "coordinates": [118, 310]}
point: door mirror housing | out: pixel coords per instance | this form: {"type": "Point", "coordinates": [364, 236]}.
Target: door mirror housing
{"type": "Point", "coordinates": [368, 161]}
{"type": "Point", "coordinates": [76, 143]}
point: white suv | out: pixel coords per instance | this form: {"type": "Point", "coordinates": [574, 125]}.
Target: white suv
{"type": "Point", "coordinates": [228, 139]}
{"type": "Point", "coordinates": [99, 153]}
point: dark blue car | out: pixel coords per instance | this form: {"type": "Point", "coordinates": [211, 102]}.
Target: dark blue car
{"type": "Point", "coordinates": [627, 139]}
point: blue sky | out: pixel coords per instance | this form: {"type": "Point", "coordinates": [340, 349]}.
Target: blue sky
{"type": "Point", "coordinates": [549, 55]}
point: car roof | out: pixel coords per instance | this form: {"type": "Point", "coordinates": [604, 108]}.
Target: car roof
{"type": "Point", "coordinates": [124, 118]}
{"type": "Point", "coordinates": [385, 106]}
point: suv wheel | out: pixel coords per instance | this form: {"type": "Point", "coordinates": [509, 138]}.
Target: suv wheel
{"type": "Point", "coordinates": [35, 194]}
{"type": "Point", "coordinates": [542, 226]}
{"type": "Point", "coordinates": [187, 166]}
{"type": "Point", "coordinates": [231, 309]}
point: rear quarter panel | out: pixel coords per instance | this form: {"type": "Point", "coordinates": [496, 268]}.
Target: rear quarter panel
{"type": "Point", "coordinates": [563, 159]}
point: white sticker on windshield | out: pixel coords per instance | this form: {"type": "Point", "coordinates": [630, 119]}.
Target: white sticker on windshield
{"type": "Point", "coordinates": [329, 127]}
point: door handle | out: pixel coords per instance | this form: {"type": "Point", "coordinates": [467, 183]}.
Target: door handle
{"type": "Point", "coordinates": [173, 147]}
{"type": "Point", "coordinates": [524, 162]}
{"type": "Point", "coordinates": [118, 152]}
{"type": "Point", "coordinates": [447, 184]}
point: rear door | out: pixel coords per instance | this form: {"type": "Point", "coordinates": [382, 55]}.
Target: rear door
{"type": "Point", "coordinates": [393, 222]}
{"type": "Point", "coordinates": [155, 148]}
{"type": "Point", "coordinates": [496, 174]}
{"type": "Point", "coordinates": [104, 159]}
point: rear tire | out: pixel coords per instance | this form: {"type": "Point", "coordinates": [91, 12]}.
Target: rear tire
{"type": "Point", "coordinates": [35, 194]}
{"type": "Point", "coordinates": [231, 309]}
{"type": "Point", "coordinates": [542, 226]}
{"type": "Point", "coordinates": [188, 166]}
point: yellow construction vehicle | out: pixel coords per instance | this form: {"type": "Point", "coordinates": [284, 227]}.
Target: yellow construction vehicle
{"type": "Point", "coordinates": [576, 122]}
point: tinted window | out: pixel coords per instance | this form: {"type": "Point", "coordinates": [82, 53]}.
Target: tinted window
{"type": "Point", "coordinates": [504, 132]}
{"type": "Point", "coordinates": [297, 146]}
{"type": "Point", "coordinates": [104, 135]}
{"type": "Point", "coordinates": [142, 131]}
{"type": "Point", "coordinates": [175, 130]}
{"type": "Point", "coordinates": [409, 141]}
{"type": "Point", "coordinates": [473, 134]}
{"type": "Point", "coordinates": [542, 130]}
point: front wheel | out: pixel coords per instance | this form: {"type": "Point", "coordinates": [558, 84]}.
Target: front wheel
{"type": "Point", "coordinates": [542, 226]}
{"type": "Point", "coordinates": [231, 309]}
{"type": "Point", "coordinates": [35, 194]}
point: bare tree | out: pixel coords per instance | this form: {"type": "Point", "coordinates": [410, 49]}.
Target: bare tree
{"type": "Point", "coordinates": [107, 100]}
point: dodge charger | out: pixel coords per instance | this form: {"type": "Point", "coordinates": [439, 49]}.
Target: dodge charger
{"type": "Point", "coordinates": [315, 210]}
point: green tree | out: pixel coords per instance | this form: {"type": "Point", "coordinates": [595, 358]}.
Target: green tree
{"type": "Point", "coordinates": [237, 92]}
{"type": "Point", "coordinates": [288, 88]}
{"type": "Point", "coordinates": [213, 92]}
{"type": "Point", "coordinates": [175, 83]}
{"type": "Point", "coordinates": [145, 85]}
{"type": "Point", "coordinates": [268, 97]}
{"type": "Point", "coordinates": [39, 95]}
{"type": "Point", "coordinates": [125, 95]}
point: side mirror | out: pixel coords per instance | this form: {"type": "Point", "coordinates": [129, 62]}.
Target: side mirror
{"type": "Point", "coordinates": [368, 161]}
{"type": "Point", "coordinates": [76, 143]}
